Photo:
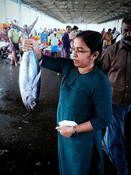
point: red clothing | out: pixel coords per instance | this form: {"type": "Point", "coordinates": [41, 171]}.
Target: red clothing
{"type": "Point", "coordinates": [4, 37]}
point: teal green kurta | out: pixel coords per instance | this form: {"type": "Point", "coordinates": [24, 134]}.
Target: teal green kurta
{"type": "Point", "coordinates": [83, 97]}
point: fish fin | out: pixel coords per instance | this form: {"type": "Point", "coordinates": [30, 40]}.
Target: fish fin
{"type": "Point", "coordinates": [18, 27]}
{"type": "Point", "coordinates": [32, 25]}
{"type": "Point", "coordinates": [26, 31]}
{"type": "Point", "coordinates": [36, 79]}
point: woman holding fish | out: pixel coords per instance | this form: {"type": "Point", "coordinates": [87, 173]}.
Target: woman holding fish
{"type": "Point", "coordinates": [85, 98]}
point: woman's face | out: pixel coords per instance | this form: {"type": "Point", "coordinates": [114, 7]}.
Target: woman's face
{"type": "Point", "coordinates": [82, 54]}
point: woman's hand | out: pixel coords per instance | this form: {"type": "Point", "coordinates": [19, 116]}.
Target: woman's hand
{"type": "Point", "coordinates": [29, 44]}
{"type": "Point", "coordinates": [66, 131]}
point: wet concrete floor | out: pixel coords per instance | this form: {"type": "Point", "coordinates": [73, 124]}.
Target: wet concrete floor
{"type": "Point", "coordinates": [28, 142]}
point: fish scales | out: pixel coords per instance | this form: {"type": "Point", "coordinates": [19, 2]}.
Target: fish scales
{"type": "Point", "coordinates": [29, 74]}
{"type": "Point", "coordinates": [29, 80]}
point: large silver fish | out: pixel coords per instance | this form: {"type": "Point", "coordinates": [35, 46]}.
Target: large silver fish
{"type": "Point", "coordinates": [29, 75]}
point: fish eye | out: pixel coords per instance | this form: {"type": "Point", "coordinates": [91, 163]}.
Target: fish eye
{"type": "Point", "coordinates": [33, 103]}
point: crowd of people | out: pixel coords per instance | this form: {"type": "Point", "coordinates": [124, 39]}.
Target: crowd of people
{"type": "Point", "coordinates": [109, 37]}
{"type": "Point", "coordinates": [13, 36]}
{"type": "Point", "coordinates": [95, 93]}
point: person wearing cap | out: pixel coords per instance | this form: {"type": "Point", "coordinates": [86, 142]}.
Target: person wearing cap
{"type": "Point", "coordinates": [23, 35]}
{"type": "Point", "coordinates": [72, 35]}
{"type": "Point", "coordinates": [54, 39]}
{"type": "Point", "coordinates": [107, 38]}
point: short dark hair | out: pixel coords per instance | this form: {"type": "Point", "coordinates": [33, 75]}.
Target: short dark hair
{"type": "Point", "coordinates": [126, 19]}
{"type": "Point", "coordinates": [68, 26]}
{"type": "Point", "coordinates": [75, 27]}
{"type": "Point", "coordinates": [109, 29]}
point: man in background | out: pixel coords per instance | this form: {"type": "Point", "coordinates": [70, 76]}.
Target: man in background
{"type": "Point", "coordinates": [103, 31]}
{"type": "Point", "coordinates": [4, 42]}
{"type": "Point", "coordinates": [116, 64]}
{"type": "Point", "coordinates": [107, 38]}
{"type": "Point", "coordinates": [115, 34]}
{"type": "Point", "coordinates": [4, 35]}
{"type": "Point", "coordinates": [22, 35]}
{"type": "Point", "coordinates": [65, 52]}
{"type": "Point", "coordinates": [73, 34]}
{"type": "Point", "coordinates": [54, 38]}
{"type": "Point", "coordinates": [14, 46]}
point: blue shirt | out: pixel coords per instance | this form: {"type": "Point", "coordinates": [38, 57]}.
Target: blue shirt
{"type": "Point", "coordinates": [65, 41]}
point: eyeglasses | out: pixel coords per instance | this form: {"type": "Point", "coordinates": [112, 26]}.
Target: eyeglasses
{"type": "Point", "coordinates": [79, 51]}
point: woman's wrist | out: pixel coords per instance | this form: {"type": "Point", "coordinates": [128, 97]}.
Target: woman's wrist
{"type": "Point", "coordinates": [75, 130]}
{"type": "Point", "coordinates": [37, 50]}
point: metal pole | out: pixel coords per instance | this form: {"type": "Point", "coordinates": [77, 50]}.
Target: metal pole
{"type": "Point", "coordinates": [5, 10]}
{"type": "Point", "coordinates": [20, 16]}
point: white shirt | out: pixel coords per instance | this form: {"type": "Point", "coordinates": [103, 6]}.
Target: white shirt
{"type": "Point", "coordinates": [119, 38]}
{"type": "Point", "coordinates": [23, 36]}
{"type": "Point", "coordinates": [115, 34]}
{"type": "Point", "coordinates": [54, 39]}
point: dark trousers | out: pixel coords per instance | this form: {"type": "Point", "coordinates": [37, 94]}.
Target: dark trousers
{"type": "Point", "coordinates": [114, 138]}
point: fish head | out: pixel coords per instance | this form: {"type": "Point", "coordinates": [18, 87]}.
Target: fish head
{"type": "Point", "coordinates": [30, 103]}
